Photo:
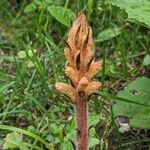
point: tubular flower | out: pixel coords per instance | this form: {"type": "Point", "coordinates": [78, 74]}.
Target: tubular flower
{"type": "Point", "coordinates": [81, 66]}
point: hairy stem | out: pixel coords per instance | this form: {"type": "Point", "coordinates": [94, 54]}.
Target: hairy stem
{"type": "Point", "coordinates": [81, 120]}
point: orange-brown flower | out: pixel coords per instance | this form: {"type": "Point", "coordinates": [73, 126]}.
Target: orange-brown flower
{"type": "Point", "coordinates": [81, 66]}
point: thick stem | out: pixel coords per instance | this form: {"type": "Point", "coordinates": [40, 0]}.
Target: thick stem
{"type": "Point", "coordinates": [81, 121]}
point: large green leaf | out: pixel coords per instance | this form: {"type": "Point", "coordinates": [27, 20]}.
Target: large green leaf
{"type": "Point", "coordinates": [63, 15]}
{"type": "Point", "coordinates": [138, 10]}
{"type": "Point", "coordinates": [137, 91]}
{"type": "Point", "coordinates": [108, 34]}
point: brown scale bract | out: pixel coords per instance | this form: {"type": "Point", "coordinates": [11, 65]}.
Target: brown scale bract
{"type": "Point", "coordinates": [81, 66]}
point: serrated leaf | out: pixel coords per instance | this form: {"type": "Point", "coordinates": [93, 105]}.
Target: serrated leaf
{"type": "Point", "coordinates": [63, 15]}
{"type": "Point", "coordinates": [93, 142]}
{"type": "Point", "coordinates": [137, 91]}
{"type": "Point", "coordinates": [108, 34]}
{"type": "Point", "coordinates": [146, 61]}
{"type": "Point", "coordinates": [138, 10]}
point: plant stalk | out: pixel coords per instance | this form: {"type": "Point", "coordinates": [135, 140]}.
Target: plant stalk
{"type": "Point", "coordinates": [81, 121]}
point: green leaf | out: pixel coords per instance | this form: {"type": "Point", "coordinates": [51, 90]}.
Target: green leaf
{"type": "Point", "coordinates": [137, 91]}
{"type": "Point", "coordinates": [108, 34]}
{"type": "Point", "coordinates": [146, 61]}
{"type": "Point", "coordinates": [93, 142]}
{"type": "Point", "coordinates": [67, 146]}
{"type": "Point", "coordinates": [14, 140]}
{"type": "Point", "coordinates": [22, 131]}
{"type": "Point", "coordinates": [93, 119]}
{"type": "Point", "coordinates": [37, 5]}
{"type": "Point", "coordinates": [22, 54]}
{"type": "Point", "coordinates": [138, 10]}
{"type": "Point", "coordinates": [92, 132]}
{"type": "Point", "coordinates": [29, 8]}
{"type": "Point", "coordinates": [63, 15]}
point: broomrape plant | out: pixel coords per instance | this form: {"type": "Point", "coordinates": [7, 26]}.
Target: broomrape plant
{"type": "Point", "coordinates": [80, 69]}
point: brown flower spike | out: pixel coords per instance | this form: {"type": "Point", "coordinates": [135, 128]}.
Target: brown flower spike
{"type": "Point", "coordinates": [80, 69]}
